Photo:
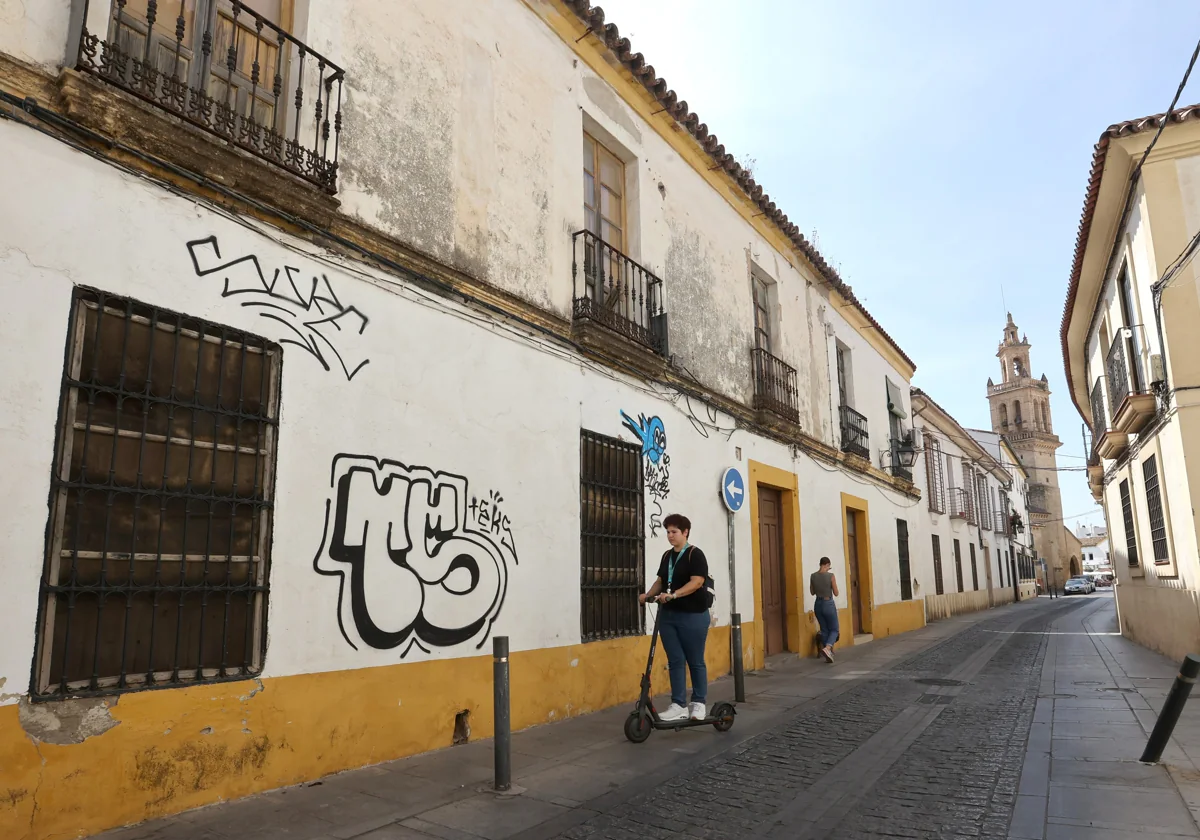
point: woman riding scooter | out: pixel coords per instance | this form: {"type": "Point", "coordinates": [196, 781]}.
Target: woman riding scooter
{"type": "Point", "coordinates": [684, 620]}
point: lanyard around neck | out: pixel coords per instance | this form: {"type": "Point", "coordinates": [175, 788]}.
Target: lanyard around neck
{"type": "Point", "coordinates": [671, 567]}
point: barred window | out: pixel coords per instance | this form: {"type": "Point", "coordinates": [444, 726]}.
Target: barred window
{"type": "Point", "coordinates": [902, 553]}
{"type": "Point", "coordinates": [612, 538]}
{"type": "Point", "coordinates": [938, 582]}
{"type": "Point", "coordinates": [157, 562]}
{"type": "Point", "coordinates": [958, 569]}
{"type": "Point", "coordinates": [1127, 516]}
{"type": "Point", "coordinates": [969, 493]}
{"type": "Point", "coordinates": [974, 568]}
{"type": "Point", "coordinates": [1158, 525]}
{"type": "Point", "coordinates": [935, 474]}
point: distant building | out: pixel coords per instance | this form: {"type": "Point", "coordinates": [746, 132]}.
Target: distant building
{"type": "Point", "coordinates": [1021, 413]}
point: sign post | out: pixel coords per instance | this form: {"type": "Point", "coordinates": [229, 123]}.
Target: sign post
{"type": "Point", "coordinates": [733, 494]}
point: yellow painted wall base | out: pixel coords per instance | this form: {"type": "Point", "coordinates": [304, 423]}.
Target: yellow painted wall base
{"type": "Point", "coordinates": [955, 603]}
{"type": "Point", "coordinates": [897, 617]}
{"type": "Point", "coordinates": [176, 749]}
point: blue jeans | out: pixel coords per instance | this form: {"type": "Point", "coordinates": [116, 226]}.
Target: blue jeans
{"type": "Point", "coordinates": [826, 612]}
{"type": "Point", "coordinates": [684, 635]}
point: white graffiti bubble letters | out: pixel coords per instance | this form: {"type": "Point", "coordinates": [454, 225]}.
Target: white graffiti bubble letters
{"type": "Point", "coordinates": [411, 568]}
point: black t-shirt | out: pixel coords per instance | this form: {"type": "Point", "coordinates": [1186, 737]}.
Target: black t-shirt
{"type": "Point", "coordinates": [691, 564]}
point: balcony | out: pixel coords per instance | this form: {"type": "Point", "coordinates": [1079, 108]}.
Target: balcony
{"type": "Point", "coordinates": [775, 388]}
{"type": "Point", "coordinates": [1110, 443]}
{"type": "Point", "coordinates": [234, 74]}
{"type": "Point", "coordinates": [614, 291]}
{"type": "Point", "coordinates": [1133, 407]}
{"type": "Point", "coordinates": [855, 440]}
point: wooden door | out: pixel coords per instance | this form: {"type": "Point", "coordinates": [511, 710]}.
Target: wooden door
{"type": "Point", "coordinates": [852, 570]}
{"type": "Point", "coordinates": [770, 539]}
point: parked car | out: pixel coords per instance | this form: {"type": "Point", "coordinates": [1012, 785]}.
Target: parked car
{"type": "Point", "coordinates": [1077, 586]}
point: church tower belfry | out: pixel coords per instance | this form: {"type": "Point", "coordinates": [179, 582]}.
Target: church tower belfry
{"type": "Point", "coordinates": [1020, 406]}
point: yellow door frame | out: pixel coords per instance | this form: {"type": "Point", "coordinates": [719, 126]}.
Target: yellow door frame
{"type": "Point", "coordinates": [866, 587]}
{"type": "Point", "coordinates": [788, 486]}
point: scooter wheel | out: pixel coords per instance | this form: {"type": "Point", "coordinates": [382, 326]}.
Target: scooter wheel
{"type": "Point", "coordinates": [637, 727]}
{"type": "Point", "coordinates": [724, 713]}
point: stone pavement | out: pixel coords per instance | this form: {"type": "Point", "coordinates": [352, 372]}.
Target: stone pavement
{"type": "Point", "coordinates": [919, 735]}
{"type": "Point", "coordinates": [1100, 696]}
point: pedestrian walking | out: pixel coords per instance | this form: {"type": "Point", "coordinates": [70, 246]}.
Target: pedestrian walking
{"type": "Point", "coordinates": [683, 626]}
{"type": "Point", "coordinates": [822, 584]}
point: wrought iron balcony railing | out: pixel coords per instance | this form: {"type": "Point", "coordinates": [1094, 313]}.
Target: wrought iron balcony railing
{"type": "Point", "coordinates": [1118, 373]}
{"type": "Point", "coordinates": [775, 387]}
{"type": "Point", "coordinates": [615, 291]}
{"type": "Point", "coordinates": [1099, 412]}
{"type": "Point", "coordinates": [854, 432]}
{"type": "Point", "coordinates": [232, 72]}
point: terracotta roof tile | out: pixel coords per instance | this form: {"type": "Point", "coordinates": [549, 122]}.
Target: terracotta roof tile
{"type": "Point", "coordinates": [593, 16]}
{"type": "Point", "coordinates": [1099, 156]}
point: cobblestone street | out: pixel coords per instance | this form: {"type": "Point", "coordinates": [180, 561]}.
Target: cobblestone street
{"type": "Point", "coordinates": [942, 733]}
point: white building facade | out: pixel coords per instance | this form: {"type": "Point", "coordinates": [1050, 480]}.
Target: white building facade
{"type": "Point", "coordinates": [975, 514]}
{"type": "Point", "coordinates": [305, 424]}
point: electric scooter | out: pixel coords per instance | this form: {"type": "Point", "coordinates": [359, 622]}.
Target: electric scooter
{"type": "Point", "coordinates": [644, 718]}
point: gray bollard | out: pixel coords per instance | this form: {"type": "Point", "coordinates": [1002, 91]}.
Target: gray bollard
{"type": "Point", "coordinates": [500, 700]}
{"type": "Point", "coordinates": [1171, 710]}
{"type": "Point", "coordinates": [739, 670]}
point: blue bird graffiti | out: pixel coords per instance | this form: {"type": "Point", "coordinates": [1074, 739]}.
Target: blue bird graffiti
{"type": "Point", "coordinates": [651, 432]}
{"type": "Point", "coordinates": [656, 463]}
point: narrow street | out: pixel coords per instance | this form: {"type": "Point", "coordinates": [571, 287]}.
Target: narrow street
{"type": "Point", "coordinates": [1025, 721]}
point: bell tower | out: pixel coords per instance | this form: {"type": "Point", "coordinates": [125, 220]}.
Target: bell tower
{"type": "Point", "coordinates": [1020, 408]}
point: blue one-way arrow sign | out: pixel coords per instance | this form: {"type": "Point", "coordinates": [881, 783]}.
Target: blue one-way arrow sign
{"type": "Point", "coordinates": [733, 489]}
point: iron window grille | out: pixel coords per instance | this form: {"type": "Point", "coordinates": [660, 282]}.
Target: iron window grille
{"type": "Point", "coordinates": [775, 386]}
{"type": "Point", "coordinates": [1127, 517]}
{"type": "Point", "coordinates": [224, 68]}
{"type": "Point", "coordinates": [617, 292]}
{"type": "Point", "coordinates": [157, 561]}
{"type": "Point", "coordinates": [958, 567]}
{"type": "Point", "coordinates": [935, 474]}
{"type": "Point", "coordinates": [1158, 525]}
{"type": "Point", "coordinates": [974, 568]}
{"type": "Point", "coordinates": [939, 584]}
{"type": "Point", "coordinates": [905, 566]}
{"type": "Point", "coordinates": [612, 537]}
{"type": "Point", "coordinates": [855, 439]}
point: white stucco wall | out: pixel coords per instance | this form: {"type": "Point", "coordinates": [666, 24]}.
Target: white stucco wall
{"type": "Point", "coordinates": [441, 388]}
{"type": "Point", "coordinates": [35, 31]}
{"type": "Point", "coordinates": [464, 126]}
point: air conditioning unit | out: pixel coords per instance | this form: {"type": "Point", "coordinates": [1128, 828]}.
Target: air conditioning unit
{"type": "Point", "coordinates": [1158, 370]}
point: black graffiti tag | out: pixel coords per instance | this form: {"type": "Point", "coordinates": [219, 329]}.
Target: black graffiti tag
{"type": "Point", "coordinates": [312, 313]}
{"type": "Point", "coordinates": [412, 569]}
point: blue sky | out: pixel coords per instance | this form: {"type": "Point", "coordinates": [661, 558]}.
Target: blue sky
{"type": "Point", "coordinates": [940, 150]}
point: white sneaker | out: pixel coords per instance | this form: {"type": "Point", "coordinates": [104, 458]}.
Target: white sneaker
{"type": "Point", "coordinates": [698, 712]}
{"type": "Point", "coordinates": [673, 712]}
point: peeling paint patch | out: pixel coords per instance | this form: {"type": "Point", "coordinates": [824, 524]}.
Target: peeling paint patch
{"type": "Point", "coordinates": [6, 697]}
{"type": "Point", "coordinates": [66, 721]}
{"type": "Point", "coordinates": [258, 689]}
{"type": "Point", "coordinates": [193, 767]}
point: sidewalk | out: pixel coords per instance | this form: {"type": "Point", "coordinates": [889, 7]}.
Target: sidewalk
{"type": "Point", "coordinates": [566, 772]}
{"type": "Point", "coordinates": [1100, 697]}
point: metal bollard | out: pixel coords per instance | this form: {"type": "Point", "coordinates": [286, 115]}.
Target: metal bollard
{"type": "Point", "coordinates": [739, 672]}
{"type": "Point", "coordinates": [500, 698]}
{"type": "Point", "coordinates": [1171, 710]}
